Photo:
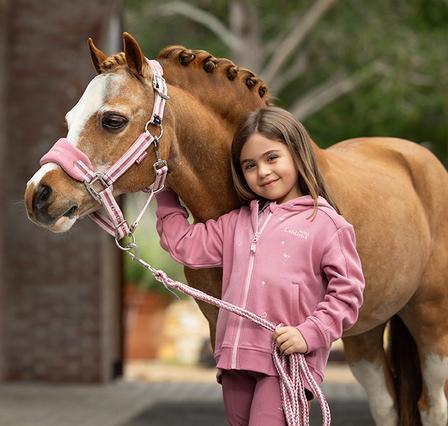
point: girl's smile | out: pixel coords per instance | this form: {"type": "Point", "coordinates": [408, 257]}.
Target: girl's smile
{"type": "Point", "coordinates": [269, 169]}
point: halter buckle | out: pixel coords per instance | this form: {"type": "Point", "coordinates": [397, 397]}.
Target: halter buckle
{"type": "Point", "coordinates": [159, 164]}
{"type": "Point", "coordinates": [99, 177]}
{"type": "Point", "coordinates": [156, 86]}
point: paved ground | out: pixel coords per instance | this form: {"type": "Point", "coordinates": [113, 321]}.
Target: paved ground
{"type": "Point", "coordinates": [344, 413]}
{"type": "Point", "coordinates": [126, 403]}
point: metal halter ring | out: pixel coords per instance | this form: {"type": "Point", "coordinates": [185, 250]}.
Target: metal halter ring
{"type": "Point", "coordinates": [149, 133]}
{"type": "Point", "coordinates": [127, 247]}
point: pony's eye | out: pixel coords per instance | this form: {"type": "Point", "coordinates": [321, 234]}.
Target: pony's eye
{"type": "Point", "coordinates": [113, 122]}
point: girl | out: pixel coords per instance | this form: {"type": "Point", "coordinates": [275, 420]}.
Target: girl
{"type": "Point", "coordinates": [287, 255]}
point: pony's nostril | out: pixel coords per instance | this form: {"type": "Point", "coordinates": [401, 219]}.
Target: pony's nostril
{"type": "Point", "coordinates": [70, 212]}
{"type": "Point", "coordinates": [41, 201]}
{"type": "Point", "coordinates": [41, 196]}
{"type": "Point", "coordinates": [45, 194]}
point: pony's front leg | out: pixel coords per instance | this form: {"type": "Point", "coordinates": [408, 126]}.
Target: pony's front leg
{"type": "Point", "coordinates": [367, 360]}
{"type": "Point", "coordinates": [209, 281]}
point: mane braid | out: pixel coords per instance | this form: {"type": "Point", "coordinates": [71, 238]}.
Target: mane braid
{"type": "Point", "coordinates": [113, 62]}
{"type": "Point", "coordinates": [210, 64]}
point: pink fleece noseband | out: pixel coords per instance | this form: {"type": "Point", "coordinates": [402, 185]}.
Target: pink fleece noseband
{"type": "Point", "coordinates": [68, 157]}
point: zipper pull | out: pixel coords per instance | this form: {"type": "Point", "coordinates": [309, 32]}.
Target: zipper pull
{"type": "Point", "coordinates": [253, 246]}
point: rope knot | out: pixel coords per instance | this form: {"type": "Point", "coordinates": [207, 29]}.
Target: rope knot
{"type": "Point", "coordinates": [159, 275]}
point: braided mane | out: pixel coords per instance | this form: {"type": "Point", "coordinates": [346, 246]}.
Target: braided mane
{"type": "Point", "coordinates": [217, 82]}
{"type": "Point", "coordinates": [209, 64]}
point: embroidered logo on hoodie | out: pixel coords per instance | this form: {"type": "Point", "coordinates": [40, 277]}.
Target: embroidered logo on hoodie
{"type": "Point", "coordinates": [297, 233]}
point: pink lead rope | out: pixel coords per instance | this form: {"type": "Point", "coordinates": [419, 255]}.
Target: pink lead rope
{"type": "Point", "coordinates": [293, 370]}
{"type": "Point", "coordinates": [289, 367]}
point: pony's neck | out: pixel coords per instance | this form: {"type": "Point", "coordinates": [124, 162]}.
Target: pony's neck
{"type": "Point", "coordinates": [200, 157]}
{"type": "Point", "coordinates": [210, 96]}
{"type": "Point", "coordinates": [229, 98]}
{"type": "Point", "coordinates": [321, 157]}
{"type": "Point", "coordinates": [204, 116]}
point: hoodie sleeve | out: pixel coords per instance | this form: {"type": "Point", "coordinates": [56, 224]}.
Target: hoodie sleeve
{"type": "Point", "coordinates": [338, 311]}
{"type": "Point", "coordinates": [197, 245]}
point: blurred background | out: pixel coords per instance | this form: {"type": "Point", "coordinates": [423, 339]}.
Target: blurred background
{"type": "Point", "coordinates": [73, 312]}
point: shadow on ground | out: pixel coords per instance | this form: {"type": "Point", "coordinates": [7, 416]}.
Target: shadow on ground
{"type": "Point", "coordinates": [344, 413]}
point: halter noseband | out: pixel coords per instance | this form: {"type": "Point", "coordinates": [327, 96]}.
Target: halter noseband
{"type": "Point", "coordinates": [78, 166]}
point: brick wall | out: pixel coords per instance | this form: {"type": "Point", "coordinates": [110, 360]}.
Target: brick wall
{"type": "Point", "coordinates": [60, 304]}
{"type": "Point", "coordinates": [3, 42]}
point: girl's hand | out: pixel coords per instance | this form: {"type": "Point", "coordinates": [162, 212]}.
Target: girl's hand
{"type": "Point", "coordinates": [289, 340]}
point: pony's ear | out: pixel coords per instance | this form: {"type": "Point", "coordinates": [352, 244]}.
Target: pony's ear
{"type": "Point", "coordinates": [98, 56]}
{"type": "Point", "coordinates": [134, 56]}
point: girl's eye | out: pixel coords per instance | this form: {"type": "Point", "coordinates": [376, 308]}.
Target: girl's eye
{"type": "Point", "coordinates": [272, 157]}
{"type": "Point", "coordinates": [248, 166]}
{"type": "Point", "coordinates": [113, 122]}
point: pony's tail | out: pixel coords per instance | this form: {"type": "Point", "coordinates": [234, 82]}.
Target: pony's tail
{"type": "Point", "coordinates": [405, 365]}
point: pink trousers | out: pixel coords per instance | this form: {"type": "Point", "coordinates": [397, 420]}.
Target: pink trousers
{"type": "Point", "coordinates": [252, 399]}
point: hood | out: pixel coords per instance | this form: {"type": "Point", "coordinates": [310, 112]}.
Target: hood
{"type": "Point", "coordinates": [298, 204]}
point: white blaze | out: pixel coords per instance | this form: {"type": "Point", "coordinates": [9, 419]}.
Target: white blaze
{"type": "Point", "coordinates": [41, 173]}
{"type": "Point", "coordinates": [91, 101]}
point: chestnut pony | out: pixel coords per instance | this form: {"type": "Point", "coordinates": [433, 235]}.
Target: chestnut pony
{"type": "Point", "coordinates": [393, 191]}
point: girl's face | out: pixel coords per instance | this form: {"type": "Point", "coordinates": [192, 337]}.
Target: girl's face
{"type": "Point", "coordinates": [269, 169]}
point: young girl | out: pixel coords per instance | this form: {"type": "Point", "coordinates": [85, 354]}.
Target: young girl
{"type": "Point", "coordinates": [287, 255]}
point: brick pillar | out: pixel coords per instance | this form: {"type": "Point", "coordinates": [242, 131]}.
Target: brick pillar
{"type": "Point", "coordinates": [3, 43]}
{"type": "Point", "coordinates": [60, 292]}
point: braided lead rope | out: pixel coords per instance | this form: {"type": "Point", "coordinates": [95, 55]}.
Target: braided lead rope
{"type": "Point", "coordinates": [292, 387]}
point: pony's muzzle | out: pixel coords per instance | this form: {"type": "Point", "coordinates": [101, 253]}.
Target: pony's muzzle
{"type": "Point", "coordinates": [40, 205]}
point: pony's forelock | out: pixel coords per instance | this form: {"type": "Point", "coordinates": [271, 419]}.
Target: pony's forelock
{"type": "Point", "coordinates": [112, 62]}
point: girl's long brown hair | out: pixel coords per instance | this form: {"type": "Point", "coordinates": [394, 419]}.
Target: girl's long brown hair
{"type": "Point", "coordinates": [278, 124]}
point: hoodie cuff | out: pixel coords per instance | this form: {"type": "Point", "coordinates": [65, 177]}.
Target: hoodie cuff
{"type": "Point", "coordinates": [167, 203]}
{"type": "Point", "coordinates": [313, 335]}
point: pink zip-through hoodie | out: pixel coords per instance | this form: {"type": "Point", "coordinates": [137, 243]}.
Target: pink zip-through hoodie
{"type": "Point", "coordinates": [278, 264]}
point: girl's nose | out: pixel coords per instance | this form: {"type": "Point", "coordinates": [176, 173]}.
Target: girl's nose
{"type": "Point", "coordinates": [263, 171]}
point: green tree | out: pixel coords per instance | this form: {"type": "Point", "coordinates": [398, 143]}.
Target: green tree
{"type": "Point", "coordinates": [346, 69]}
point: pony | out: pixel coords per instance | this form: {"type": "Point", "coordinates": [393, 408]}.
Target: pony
{"type": "Point", "coordinates": [393, 191]}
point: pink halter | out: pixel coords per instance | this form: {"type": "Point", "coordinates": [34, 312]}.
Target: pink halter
{"type": "Point", "coordinates": [78, 166]}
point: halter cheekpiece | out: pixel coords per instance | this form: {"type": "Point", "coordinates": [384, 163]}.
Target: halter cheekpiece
{"type": "Point", "coordinates": [100, 185]}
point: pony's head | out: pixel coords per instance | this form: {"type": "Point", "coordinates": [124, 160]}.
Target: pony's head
{"type": "Point", "coordinates": [208, 98]}
{"type": "Point", "coordinates": [108, 118]}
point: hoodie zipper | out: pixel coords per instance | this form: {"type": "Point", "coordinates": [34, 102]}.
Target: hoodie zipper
{"type": "Point", "coordinates": [253, 249]}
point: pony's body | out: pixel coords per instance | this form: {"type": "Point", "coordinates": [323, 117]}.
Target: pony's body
{"type": "Point", "coordinates": [374, 188]}
{"type": "Point", "coordinates": [394, 193]}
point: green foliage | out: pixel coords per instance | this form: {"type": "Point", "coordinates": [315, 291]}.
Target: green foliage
{"type": "Point", "coordinates": [407, 98]}
{"type": "Point", "coordinates": [149, 248]}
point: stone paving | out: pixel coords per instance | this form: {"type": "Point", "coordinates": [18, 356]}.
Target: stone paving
{"type": "Point", "coordinates": [105, 405]}
{"type": "Point", "coordinates": [125, 403]}
{"type": "Point", "coordinates": [344, 413]}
